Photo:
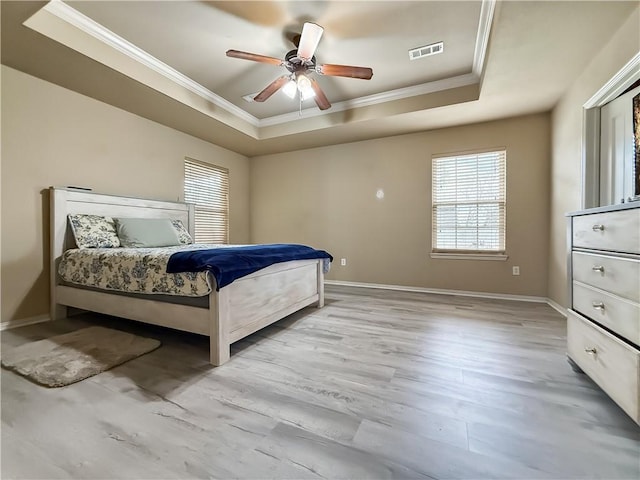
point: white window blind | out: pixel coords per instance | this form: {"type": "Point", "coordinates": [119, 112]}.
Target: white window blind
{"type": "Point", "coordinates": [469, 194]}
{"type": "Point", "coordinates": [207, 186]}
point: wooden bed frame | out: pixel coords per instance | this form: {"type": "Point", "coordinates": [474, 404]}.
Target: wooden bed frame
{"type": "Point", "coordinates": [237, 310]}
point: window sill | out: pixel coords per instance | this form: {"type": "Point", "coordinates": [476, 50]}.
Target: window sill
{"type": "Point", "coordinates": [499, 257]}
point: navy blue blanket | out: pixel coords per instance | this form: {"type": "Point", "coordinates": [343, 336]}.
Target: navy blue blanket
{"type": "Point", "coordinates": [230, 263]}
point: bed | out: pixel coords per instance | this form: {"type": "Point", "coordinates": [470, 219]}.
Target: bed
{"type": "Point", "coordinates": [231, 313]}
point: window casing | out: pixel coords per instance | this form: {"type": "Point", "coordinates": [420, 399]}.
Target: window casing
{"type": "Point", "coordinates": [207, 187]}
{"type": "Point", "coordinates": [469, 203]}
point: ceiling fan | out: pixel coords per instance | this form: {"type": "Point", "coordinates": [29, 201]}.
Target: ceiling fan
{"type": "Point", "coordinates": [301, 65]}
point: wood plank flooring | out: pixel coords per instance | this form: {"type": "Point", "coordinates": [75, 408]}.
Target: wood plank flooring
{"type": "Point", "coordinates": [378, 384]}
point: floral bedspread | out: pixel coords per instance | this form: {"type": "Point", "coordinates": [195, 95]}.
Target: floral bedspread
{"type": "Point", "coordinates": [134, 270]}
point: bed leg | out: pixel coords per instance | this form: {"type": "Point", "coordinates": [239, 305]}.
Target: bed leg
{"type": "Point", "coordinates": [219, 317]}
{"type": "Point", "coordinates": [320, 285]}
{"type": "Point", "coordinates": [218, 354]}
{"type": "Point", "coordinates": [57, 311]}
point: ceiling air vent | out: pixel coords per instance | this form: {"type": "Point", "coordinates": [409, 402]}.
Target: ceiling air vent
{"type": "Point", "coordinates": [427, 50]}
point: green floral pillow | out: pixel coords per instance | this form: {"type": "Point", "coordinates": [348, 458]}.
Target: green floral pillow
{"type": "Point", "coordinates": [94, 231]}
{"type": "Point", "coordinates": [183, 234]}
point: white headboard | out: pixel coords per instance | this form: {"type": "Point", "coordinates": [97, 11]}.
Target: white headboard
{"type": "Point", "coordinates": [65, 201]}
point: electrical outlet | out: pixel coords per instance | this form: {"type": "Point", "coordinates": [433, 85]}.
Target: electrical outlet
{"type": "Point", "coordinates": [343, 262]}
{"type": "Point", "coordinates": [516, 270]}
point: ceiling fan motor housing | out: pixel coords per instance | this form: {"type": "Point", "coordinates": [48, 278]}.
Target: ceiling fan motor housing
{"type": "Point", "coordinates": [296, 65]}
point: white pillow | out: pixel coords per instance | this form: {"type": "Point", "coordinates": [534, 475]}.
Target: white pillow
{"type": "Point", "coordinates": [146, 232]}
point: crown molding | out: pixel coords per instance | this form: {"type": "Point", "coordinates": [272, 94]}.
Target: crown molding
{"type": "Point", "coordinates": [106, 36]}
{"type": "Point", "coordinates": [80, 21]}
{"type": "Point", "coordinates": [482, 39]}
{"type": "Point", "coordinates": [375, 99]}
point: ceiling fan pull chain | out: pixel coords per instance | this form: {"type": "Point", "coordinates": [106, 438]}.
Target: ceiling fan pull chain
{"type": "Point", "coordinates": [300, 105]}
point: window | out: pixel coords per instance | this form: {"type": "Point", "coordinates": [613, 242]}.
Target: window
{"type": "Point", "coordinates": [469, 204]}
{"type": "Point", "coordinates": [207, 186]}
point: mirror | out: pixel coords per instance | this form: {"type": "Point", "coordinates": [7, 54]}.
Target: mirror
{"type": "Point", "coordinates": [636, 147]}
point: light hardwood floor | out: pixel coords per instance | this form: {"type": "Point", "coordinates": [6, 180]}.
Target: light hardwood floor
{"type": "Point", "coordinates": [378, 384]}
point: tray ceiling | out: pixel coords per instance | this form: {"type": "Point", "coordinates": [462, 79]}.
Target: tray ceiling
{"type": "Point", "coordinates": [166, 61]}
{"type": "Point", "coordinates": [192, 37]}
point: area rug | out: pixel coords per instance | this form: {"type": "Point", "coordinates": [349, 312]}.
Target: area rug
{"type": "Point", "coordinates": [69, 358]}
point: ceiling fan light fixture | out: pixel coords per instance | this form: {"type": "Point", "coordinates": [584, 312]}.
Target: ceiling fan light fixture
{"type": "Point", "coordinates": [290, 89]}
{"type": "Point", "coordinates": [303, 82]}
{"type": "Point", "coordinates": [304, 87]}
{"type": "Point", "coordinates": [307, 93]}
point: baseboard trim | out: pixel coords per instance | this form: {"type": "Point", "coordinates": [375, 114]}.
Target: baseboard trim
{"type": "Point", "coordinates": [463, 293]}
{"type": "Point", "coordinates": [23, 322]}
{"type": "Point", "coordinates": [557, 307]}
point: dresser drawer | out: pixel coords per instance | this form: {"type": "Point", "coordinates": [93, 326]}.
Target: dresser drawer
{"type": "Point", "coordinates": [617, 275]}
{"type": "Point", "coordinates": [618, 314]}
{"type": "Point", "coordinates": [611, 363]}
{"type": "Point", "coordinates": [618, 231]}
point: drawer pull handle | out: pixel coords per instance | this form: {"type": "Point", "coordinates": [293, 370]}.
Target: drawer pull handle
{"type": "Point", "coordinates": [598, 268]}
{"type": "Point", "coordinates": [598, 305]}
{"type": "Point", "coordinates": [591, 351]}
{"type": "Point", "coordinates": [596, 228]}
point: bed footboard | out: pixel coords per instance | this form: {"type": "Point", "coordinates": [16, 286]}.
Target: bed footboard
{"type": "Point", "coordinates": [260, 299]}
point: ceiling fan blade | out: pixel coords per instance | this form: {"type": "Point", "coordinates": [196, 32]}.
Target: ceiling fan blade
{"type": "Point", "coordinates": [364, 73]}
{"type": "Point", "coordinates": [272, 88]}
{"type": "Point", "coordinates": [254, 57]}
{"type": "Point", "coordinates": [309, 39]}
{"type": "Point", "coordinates": [320, 98]}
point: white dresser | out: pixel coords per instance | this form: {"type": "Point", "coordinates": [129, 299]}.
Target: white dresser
{"type": "Point", "coordinates": [603, 323]}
